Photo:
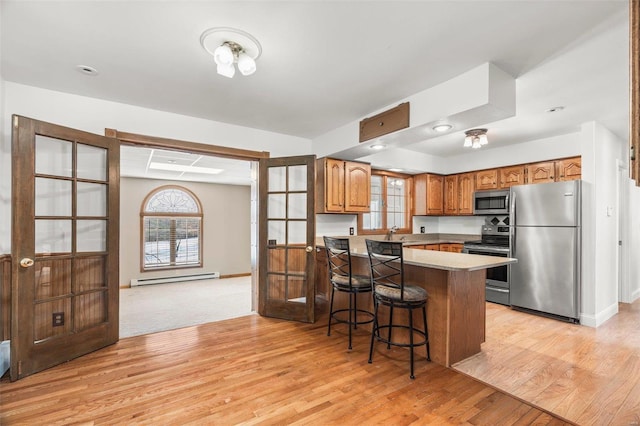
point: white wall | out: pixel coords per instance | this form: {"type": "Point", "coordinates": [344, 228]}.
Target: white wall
{"type": "Point", "coordinates": [633, 202]}
{"type": "Point", "coordinates": [94, 115]}
{"type": "Point", "coordinates": [5, 178]}
{"type": "Point", "coordinates": [336, 224]}
{"type": "Point", "coordinates": [226, 231]}
{"type": "Point", "coordinates": [600, 152]}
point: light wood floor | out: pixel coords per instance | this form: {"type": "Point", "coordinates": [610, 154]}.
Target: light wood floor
{"type": "Point", "coordinates": [255, 370]}
{"type": "Point", "coordinates": [589, 376]}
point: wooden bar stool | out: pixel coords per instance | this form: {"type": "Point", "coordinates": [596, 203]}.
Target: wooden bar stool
{"type": "Point", "coordinates": [387, 274]}
{"type": "Point", "coordinates": [342, 279]}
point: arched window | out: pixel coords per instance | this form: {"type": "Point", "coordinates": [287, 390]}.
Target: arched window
{"type": "Point", "coordinates": [171, 221]}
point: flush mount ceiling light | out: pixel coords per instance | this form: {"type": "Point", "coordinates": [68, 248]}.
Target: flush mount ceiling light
{"type": "Point", "coordinates": [443, 127]}
{"type": "Point", "coordinates": [230, 46]}
{"type": "Point", "coordinates": [475, 138]}
{"type": "Point", "coordinates": [377, 146]}
{"type": "Point", "coordinates": [172, 167]}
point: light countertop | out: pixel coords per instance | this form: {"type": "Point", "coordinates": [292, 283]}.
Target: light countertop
{"type": "Point", "coordinates": [433, 259]}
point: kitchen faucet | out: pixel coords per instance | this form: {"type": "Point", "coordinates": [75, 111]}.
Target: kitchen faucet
{"type": "Point", "coordinates": [390, 233]}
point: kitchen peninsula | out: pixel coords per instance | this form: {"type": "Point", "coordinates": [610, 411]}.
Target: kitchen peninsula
{"type": "Point", "coordinates": [455, 283]}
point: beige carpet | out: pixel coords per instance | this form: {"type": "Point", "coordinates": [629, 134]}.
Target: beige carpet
{"type": "Point", "coordinates": [158, 307]}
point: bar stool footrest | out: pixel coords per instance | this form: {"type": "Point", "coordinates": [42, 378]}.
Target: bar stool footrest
{"type": "Point", "coordinates": [379, 337]}
{"type": "Point", "coordinates": [356, 322]}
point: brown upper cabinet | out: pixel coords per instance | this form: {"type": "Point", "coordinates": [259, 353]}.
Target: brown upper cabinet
{"type": "Point", "coordinates": [487, 179]}
{"type": "Point", "coordinates": [541, 172]}
{"type": "Point", "coordinates": [451, 198]}
{"type": "Point", "coordinates": [569, 169]}
{"type": "Point", "coordinates": [513, 175]}
{"type": "Point", "coordinates": [458, 194]}
{"type": "Point", "coordinates": [466, 188]}
{"type": "Point", "coordinates": [386, 122]}
{"type": "Point", "coordinates": [357, 187]}
{"type": "Point", "coordinates": [555, 171]}
{"type": "Point", "coordinates": [428, 195]}
{"type": "Point", "coordinates": [342, 186]}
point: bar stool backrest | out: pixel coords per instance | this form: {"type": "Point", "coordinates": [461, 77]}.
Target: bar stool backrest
{"type": "Point", "coordinates": [339, 259]}
{"type": "Point", "coordinates": [387, 264]}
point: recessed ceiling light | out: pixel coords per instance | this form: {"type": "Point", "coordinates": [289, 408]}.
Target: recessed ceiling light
{"type": "Point", "coordinates": [183, 168]}
{"type": "Point", "coordinates": [87, 70]}
{"type": "Point", "coordinates": [441, 128]}
{"type": "Point", "coordinates": [378, 146]}
{"type": "Point", "coordinates": [555, 109]}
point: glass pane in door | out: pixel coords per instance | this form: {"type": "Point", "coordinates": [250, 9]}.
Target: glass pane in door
{"type": "Point", "coordinates": [297, 206]}
{"type": "Point", "coordinates": [92, 199]}
{"type": "Point", "coordinates": [277, 206]}
{"type": "Point", "coordinates": [52, 236]}
{"type": "Point", "coordinates": [91, 235]}
{"type": "Point", "coordinates": [53, 197]}
{"type": "Point", "coordinates": [297, 232]}
{"type": "Point", "coordinates": [53, 156]}
{"type": "Point", "coordinates": [277, 179]}
{"type": "Point", "coordinates": [297, 178]}
{"type": "Point", "coordinates": [91, 163]}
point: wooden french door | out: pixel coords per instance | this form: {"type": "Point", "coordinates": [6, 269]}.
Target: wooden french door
{"type": "Point", "coordinates": [286, 238]}
{"type": "Point", "coordinates": [65, 230]}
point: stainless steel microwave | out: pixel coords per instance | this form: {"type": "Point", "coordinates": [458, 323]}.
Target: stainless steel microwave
{"type": "Point", "coordinates": [491, 202]}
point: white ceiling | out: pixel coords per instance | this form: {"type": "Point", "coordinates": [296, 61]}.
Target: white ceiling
{"type": "Point", "coordinates": [328, 63]}
{"type": "Point", "coordinates": [137, 162]}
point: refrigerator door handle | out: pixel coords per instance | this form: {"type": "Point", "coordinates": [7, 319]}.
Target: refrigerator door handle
{"type": "Point", "coordinates": [512, 225]}
{"type": "Point", "coordinates": [512, 242]}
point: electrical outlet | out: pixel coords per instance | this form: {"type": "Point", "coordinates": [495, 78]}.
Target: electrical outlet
{"type": "Point", "coordinates": [57, 319]}
{"type": "Point", "coordinates": [422, 229]}
{"type": "Point", "coordinates": [351, 231]}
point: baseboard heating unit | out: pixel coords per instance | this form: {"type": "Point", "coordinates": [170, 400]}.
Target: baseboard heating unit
{"type": "Point", "coordinates": [175, 279]}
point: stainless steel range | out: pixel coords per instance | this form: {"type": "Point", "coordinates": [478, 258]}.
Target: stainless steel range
{"type": "Point", "coordinates": [494, 242]}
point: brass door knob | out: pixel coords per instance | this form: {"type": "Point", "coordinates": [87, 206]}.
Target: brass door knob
{"type": "Point", "coordinates": [309, 249]}
{"type": "Point", "coordinates": [26, 262]}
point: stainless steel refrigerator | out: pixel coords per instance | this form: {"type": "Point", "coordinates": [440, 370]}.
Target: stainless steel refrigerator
{"type": "Point", "coordinates": [545, 237]}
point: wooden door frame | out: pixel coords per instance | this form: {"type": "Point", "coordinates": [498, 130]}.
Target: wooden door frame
{"type": "Point", "coordinates": [146, 141]}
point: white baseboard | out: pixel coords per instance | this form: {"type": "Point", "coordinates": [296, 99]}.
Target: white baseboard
{"type": "Point", "coordinates": [599, 318]}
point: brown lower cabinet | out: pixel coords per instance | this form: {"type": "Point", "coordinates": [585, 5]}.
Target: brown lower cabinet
{"type": "Point", "coordinates": [451, 247]}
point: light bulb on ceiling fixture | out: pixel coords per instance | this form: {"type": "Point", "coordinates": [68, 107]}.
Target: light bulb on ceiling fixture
{"type": "Point", "coordinates": [476, 143]}
{"type": "Point", "coordinates": [223, 55]}
{"type": "Point", "coordinates": [246, 64]}
{"type": "Point", "coordinates": [468, 141]}
{"type": "Point", "coordinates": [226, 70]}
{"type": "Point", "coordinates": [483, 139]}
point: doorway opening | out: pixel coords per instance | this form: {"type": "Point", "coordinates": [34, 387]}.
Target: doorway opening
{"type": "Point", "coordinates": [225, 183]}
